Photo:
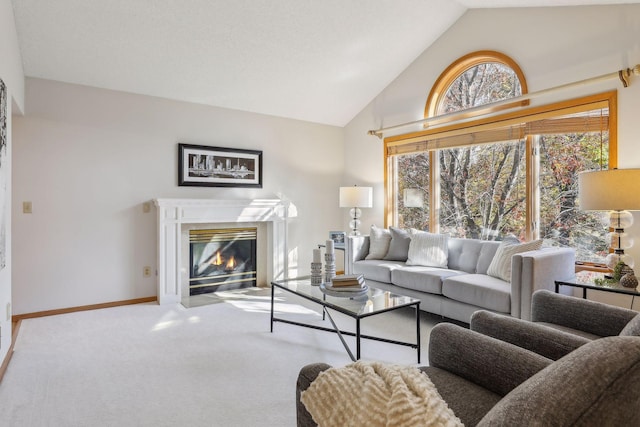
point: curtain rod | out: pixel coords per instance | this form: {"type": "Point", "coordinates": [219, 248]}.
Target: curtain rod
{"type": "Point", "coordinates": [623, 75]}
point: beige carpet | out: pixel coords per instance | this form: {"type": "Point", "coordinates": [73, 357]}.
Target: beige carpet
{"type": "Point", "coordinates": [151, 365]}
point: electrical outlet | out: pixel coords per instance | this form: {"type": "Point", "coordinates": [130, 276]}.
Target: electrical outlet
{"type": "Point", "coordinates": [146, 271]}
{"type": "Point", "coordinates": [146, 207]}
{"type": "Point", "coordinates": [27, 207]}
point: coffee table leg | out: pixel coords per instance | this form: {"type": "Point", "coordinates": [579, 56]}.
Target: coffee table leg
{"type": "Point", "coordinates": [273, 289]}
{"type": "Point", "coordinates": [358, 339]}
{"type": "Point", "coordinates": [344, 343]}
{"type": "Point", "coordinates": [418, 329]}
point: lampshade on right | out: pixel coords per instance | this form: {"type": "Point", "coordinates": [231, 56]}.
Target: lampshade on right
{"type": "Point", "coordinates": [617, 191]}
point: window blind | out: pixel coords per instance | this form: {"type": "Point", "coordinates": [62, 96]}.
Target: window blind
{"type": "Point", "coordinates": [590, 114]}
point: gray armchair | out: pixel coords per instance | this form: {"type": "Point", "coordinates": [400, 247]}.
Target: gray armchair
{"type": "Point", "coordinates": [489, 382]}
{"type": "Point", "coordinates": [559, 325]}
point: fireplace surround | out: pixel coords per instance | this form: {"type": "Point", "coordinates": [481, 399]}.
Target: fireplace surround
{"type": "Point", "coordinates": [177, 216]}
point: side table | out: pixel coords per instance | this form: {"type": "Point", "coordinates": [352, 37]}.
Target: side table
{"type": "Point", "coordinates": [579, 282]}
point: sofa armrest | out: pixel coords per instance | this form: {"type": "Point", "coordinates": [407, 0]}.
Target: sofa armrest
{"type": "Point", "coordinates": [493, 364]}
{"type": "Point", "coordinates": [534, 270]}
{"type": "Point", "coordinates": [357, 248]}
{"type": "Point", "coordinates": [581, 314]}
{"type": "Point", "coordinates": [548, 342]}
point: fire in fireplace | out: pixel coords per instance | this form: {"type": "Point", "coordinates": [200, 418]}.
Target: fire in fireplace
{"type": "Point", "coordinates": [222, 259]}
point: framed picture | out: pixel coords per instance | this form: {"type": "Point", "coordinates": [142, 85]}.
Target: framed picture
{"type": "Point", "coordinates": [203, 166]}
{"type": "Point", "coordinates": [338, 237]}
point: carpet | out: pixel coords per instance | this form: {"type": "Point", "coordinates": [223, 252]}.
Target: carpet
{"type": "Point", "coordinates": [152, 365]}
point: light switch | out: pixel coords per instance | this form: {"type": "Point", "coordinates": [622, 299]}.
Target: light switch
{"type": "Point", "coordinates": [26, 207]}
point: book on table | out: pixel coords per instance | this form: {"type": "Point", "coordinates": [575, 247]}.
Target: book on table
{"type": "Point", "coordinates": [348, 280]}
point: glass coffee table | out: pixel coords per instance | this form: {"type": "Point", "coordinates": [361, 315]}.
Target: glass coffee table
{"type": "Point", "coordinates": [374, 302]}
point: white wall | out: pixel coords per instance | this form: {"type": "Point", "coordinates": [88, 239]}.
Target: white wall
{"type": "Point", "coordinates": [553, 46]}
{"type": "Point", "coordinates": [89, 158]}
{"type": "Point", "coordinates": [13, 77]}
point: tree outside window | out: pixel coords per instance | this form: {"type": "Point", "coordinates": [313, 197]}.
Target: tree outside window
{"type": "Point", "coordinates": [491, 189]}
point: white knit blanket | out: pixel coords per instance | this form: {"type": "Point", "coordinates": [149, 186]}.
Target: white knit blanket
{"type": "Point", "coordinates": [376, 394]}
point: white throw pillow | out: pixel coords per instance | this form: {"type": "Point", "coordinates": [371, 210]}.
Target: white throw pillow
{"type": "Point", "coordinates": [500, 266]}
{"type": "Point", "coordinates": [379, 239]}
{"type": "Point", "coordinates": [428, 249]}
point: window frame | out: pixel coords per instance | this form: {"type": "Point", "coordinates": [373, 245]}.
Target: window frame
{"type": "Point", "coordinates": [491, 118]}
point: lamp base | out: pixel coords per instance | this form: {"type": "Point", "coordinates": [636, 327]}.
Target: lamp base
{"type": "Point", "coordinates": [354, 224]}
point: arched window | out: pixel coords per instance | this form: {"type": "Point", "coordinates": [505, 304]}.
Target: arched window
{"type": "Point", "coordinates": [484, 169]}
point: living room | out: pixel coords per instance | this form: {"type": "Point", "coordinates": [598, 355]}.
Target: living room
{"type": "Point", "coordinates": [90, 159]}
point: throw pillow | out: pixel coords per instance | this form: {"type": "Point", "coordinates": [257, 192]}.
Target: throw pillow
{"type": "Point", "coordinates": [379, 239]}
{"type": "Point", "coordinates": [399, 245]}
{"type": "Point", "coordinates": [500, 266]}
{"type": "Point", "coordinates": [428, 249]}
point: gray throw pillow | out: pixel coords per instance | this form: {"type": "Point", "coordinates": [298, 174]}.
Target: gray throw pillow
{"type": "Point", "coordinates": [379, 239]}
{"type": "Point", "coordinates": [632, 328]}
{"type": "Point", "coordinates": [399, 245]}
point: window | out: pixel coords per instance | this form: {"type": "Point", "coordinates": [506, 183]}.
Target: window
{"type": "Point", "coordinates": [483, 169]}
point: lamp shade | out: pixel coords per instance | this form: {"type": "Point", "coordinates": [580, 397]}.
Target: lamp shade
{"type": "Point", "coordinates": [356, 197]}
{"type": "Point", "coordinates": [607, 190]}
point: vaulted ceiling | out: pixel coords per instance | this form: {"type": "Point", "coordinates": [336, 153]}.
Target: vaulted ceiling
{"type": "Point", "coordinates": [316, 60]}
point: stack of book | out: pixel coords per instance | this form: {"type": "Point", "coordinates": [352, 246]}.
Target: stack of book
{"type": "Point", "coordinates": [348, 282]}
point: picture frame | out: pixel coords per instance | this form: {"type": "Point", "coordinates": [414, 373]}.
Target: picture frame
{"type": "Point", "coordinates": [338, 237]}
{"type": "Point", "coordinates": [205, 166]}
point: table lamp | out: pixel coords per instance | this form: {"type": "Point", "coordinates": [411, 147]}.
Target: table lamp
{"type": "Point", "coordinates": [616, 191]}
{"type": "Point", "coordinates": [355, 198]}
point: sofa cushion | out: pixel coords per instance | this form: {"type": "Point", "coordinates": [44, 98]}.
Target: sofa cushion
{"type": "Point", "coordinates": [501, 264]}
{"type": "Point", "coordinates": [428, 249]}
{"type": "Point", "coordinates": [377, 270]}
{"type": "Point", "coordinates": [379, 240]}
{"type": "Point", "coordinates": [399, 245]}
{"type": "Point", "coordinates": [632, 328]}
{"type": "Point", "coordinates": [464, 253]}
{"type": "Point", "coordinates": [487, 253]}
{"type": "Point", "coordinates": [479, 290]}
{"type": "Point", "coordinates": [419, 278]}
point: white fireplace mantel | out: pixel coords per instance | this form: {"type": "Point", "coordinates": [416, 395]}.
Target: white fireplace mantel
{"type": "Point", "coordinates": [174, 213]}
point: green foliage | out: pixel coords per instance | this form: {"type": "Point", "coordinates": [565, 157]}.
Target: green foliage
{"type": "Point", "coordinates": [618, 271]}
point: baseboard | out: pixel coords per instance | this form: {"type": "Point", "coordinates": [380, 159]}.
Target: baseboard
{"type": "Point", "coordinates": [5, 363]}
{"type": "Point", "coordinates": [19, 317]}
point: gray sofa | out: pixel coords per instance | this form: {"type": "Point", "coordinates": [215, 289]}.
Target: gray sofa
{"type": "Point", "coordinates": [488, 382]}
{"type": "Point", "coordinates": [464, 287]}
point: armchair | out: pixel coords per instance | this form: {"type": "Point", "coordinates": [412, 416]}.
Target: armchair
{"type": "Point", "coordinates": [559, 325]}
{"type": "Point", "coordinates": [486, 381]}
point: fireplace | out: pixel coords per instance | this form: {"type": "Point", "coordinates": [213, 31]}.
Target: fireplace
{"type": "Point", "coordinates": [222, 259]}
{"type": "Point", "coordinates": [176, 217]}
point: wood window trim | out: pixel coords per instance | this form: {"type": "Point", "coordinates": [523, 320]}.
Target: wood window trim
{"type": "Point", "coordinates": [453, 71]}
{"type": "Point", "coordinates": [418, 141]}
{"type": "Point", "coordinates": [522, 123]}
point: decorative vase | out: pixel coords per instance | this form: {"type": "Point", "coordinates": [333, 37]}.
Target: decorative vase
{"type": "Point", "coordinates": [626, 269]}
{"type": "Point", "coordinates": [629, 280]}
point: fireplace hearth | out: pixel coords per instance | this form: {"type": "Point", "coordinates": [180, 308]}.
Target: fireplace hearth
{"type": "Point", "coordinates": [221, 259]}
